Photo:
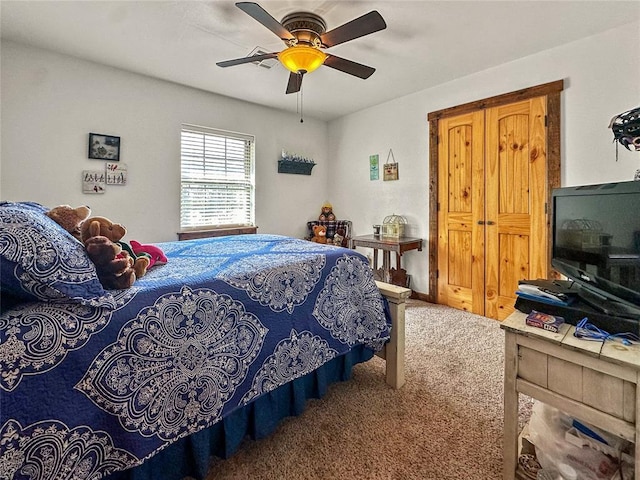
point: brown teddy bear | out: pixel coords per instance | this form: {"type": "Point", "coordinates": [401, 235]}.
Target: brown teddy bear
{"type": "Point", "coordinates": [114, 267]}
{"type": "Point", "coordinates": [326, 214]}
{"type": "Point", "coordinates": [70, 218]}
{"type": "Point", "coordinates": [319, 234]}
{"type": "Point", "coordinates": [102, 226]}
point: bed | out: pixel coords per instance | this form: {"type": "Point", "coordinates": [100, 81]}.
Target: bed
{"type": "Point", "coordinates": [229, 337]}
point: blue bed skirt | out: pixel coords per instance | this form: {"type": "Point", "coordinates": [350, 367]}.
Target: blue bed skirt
{"type": "Point", "coordinates": [190, 456]}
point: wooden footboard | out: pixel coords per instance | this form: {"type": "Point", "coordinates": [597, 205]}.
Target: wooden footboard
{"type": "Point", "coordinates": [393, 352]}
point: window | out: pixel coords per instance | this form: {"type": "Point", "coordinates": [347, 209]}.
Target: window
{"type": "Point", "coordinates": [217, 178]}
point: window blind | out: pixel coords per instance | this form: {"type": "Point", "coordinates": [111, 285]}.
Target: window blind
{"type": "Point", "coordinates": [217, 178]}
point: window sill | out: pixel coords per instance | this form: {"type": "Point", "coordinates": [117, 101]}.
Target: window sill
{"type": "Point", "coordinates": [216, 232]}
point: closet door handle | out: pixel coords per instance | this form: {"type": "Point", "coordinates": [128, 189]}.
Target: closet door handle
{"type": "Point", "coordinates": [490, 222]}
{"type": "Point", "coordinates": [480, 222]}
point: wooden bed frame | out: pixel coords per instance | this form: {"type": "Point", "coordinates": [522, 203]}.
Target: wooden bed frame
{"type": "Point", "coordinates": [393, 351]}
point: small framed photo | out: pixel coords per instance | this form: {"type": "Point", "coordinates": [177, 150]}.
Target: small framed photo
{"type": "Point", "coordinates": [104, 147]}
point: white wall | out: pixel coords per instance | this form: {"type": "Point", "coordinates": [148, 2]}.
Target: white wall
{"type": "Point", "coordinates": [602, 79]}
{"type": "Point", "coordinates": [51, 102]}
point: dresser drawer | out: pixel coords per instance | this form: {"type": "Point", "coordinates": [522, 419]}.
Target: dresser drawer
{"type": "Point", "coordinates": [589, 386]}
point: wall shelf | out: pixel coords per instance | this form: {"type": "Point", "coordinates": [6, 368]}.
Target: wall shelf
{"type": "Point", "coordinates": [298, 168]}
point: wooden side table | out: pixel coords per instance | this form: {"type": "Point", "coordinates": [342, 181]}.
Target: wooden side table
{"type": "Point", "coordinates": [592, 381]}
{"type": "Point", "coordinates": [395, 276]}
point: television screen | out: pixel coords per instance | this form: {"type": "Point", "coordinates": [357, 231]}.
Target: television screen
{"type": "Point", "coordinates": [596, 243]}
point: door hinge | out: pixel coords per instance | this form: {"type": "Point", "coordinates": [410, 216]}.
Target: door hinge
{"type": "Point", "coordinates": [546, 208]}
{"type": "Point", "coordinates": [438, 207]}
{"type": "Point", "coordinates": [437, 273]}
{"type": "Point", "coordinates": [545, 120]}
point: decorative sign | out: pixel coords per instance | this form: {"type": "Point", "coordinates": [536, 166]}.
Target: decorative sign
{"type": "Point", "coordinates": [390, 171]}
{"type": "Point", "coordinates": [391, 168]}
{"type": "Point", "coordinates": [374, 169]}
{"type": "Point", "coordinates": [116, 173]}
{"type": "Point", "coordinates": [93, 181]}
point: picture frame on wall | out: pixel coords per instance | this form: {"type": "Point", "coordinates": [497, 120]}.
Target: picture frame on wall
{"type": "Point", "coordinates": [373, 167]}
{"type": "Point", "coordinates": [391, 167]}
{"type": "Point", "coordinates": [93, 181]}
{"type": "Point", "coordinates": [116, 173]}
{"type": "Point", "coordinates": [104, 147]}
{"type": "Point", "coordinates": [390, 171]}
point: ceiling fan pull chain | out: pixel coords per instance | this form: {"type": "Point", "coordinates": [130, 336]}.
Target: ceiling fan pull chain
{"type": "Point", "coordinates": [301, 113]}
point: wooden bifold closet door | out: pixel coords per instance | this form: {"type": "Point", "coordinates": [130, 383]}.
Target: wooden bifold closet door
{"type": "Point", "coordinates": [492, 202]}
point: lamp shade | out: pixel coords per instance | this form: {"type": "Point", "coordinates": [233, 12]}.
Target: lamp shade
{"type": "Point", "coordinates": [302, 58]}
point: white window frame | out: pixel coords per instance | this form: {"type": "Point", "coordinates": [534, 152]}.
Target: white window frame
{"type": "Point", "coordinates": [216, 163]}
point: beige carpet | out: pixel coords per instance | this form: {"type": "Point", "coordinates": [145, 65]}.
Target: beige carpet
{"type": "Point", "coordinates": [445, 423]}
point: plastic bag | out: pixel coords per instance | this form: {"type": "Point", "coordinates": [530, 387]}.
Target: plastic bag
{"type": "Point", "coordinates": [558, 441]}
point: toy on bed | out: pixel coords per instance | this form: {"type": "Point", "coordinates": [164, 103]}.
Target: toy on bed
{"type": "Point", "coordinates": [156, 255]}
{"type": "Point", "coordinates": [102, 226]}
{"type": "Point", "coordinates": [70, 218]}
{"type": "Point", "coordinates": [319, 234]}
{"type": "Point", "coordinates": [113, 266]}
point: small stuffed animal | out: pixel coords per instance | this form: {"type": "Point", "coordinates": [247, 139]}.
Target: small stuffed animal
{"type": "Point", "coordinates": [326, 214]}
{"type": "Point", "coordinates": [156, 255]}
{"type": "Point", "coordinates": [95, 226]}
{"type": "Point", "coordinates": [114, 267]}
{"type": "Point", "coordinates": [340, 238]}
{"type": "Point", "coordinates": [319, 234]}
{"type": "Point", "coordinates": [70, 218]}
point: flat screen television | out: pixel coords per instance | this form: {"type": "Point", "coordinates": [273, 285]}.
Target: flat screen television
{"type": "Point", "coordinates": [596, 244]}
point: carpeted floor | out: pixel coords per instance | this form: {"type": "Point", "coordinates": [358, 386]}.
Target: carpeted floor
{"type": "Point", "coordinates": [445, 423]}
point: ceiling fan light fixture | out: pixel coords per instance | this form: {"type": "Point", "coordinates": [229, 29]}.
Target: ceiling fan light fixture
{"type": "Point", "coordinates": [301, 58]}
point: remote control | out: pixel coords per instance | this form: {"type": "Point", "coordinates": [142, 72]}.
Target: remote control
{"type": "Point", "coordinates": [541, 292]}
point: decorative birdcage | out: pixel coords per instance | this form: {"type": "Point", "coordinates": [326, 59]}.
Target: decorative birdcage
{"type": "Point", "coordinates": [393, 226]}
{"type": "Point", "coordinates": [583, 233]}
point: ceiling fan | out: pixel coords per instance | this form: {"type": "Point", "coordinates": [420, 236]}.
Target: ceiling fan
{"type": "Point", "coordinates": [305, 35]}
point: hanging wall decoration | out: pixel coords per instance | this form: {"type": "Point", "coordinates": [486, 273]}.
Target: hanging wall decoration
{"type": "Point", "coordinates": [93, 181]}
{"type": "Point", "coordinates": [104, 147]}
{"type": "Point", "coordinates": [293, 163]}
{"type": "Point", "coordinates": [116, 173]}
{"type": "Point", "coordinates": [374, 168]}
{"type": "Point", "coordinates": [391, 167]}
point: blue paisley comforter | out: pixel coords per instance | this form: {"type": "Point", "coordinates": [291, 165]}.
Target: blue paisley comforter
{"type": "Point", "coordinates": [89, 391]}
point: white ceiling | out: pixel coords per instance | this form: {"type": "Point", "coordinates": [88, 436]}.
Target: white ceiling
{"type": "Point", "coordinates": [426, 42]}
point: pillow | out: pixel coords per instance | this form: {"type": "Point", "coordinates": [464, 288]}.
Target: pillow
{"type": "Point", "coordinates": [39, 260]}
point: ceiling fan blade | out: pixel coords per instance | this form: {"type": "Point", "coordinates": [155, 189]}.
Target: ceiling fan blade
{"type": "Point", "coordinates": [295, 83]}
{"type": "Point", "coordinates": [368, 23]}
{"type": "Point", "coordinates": [261, 15]}
{"type": "Point", "coordinates": [347, 66]}
{"type": "Point", "coordinates": [240, 61]}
